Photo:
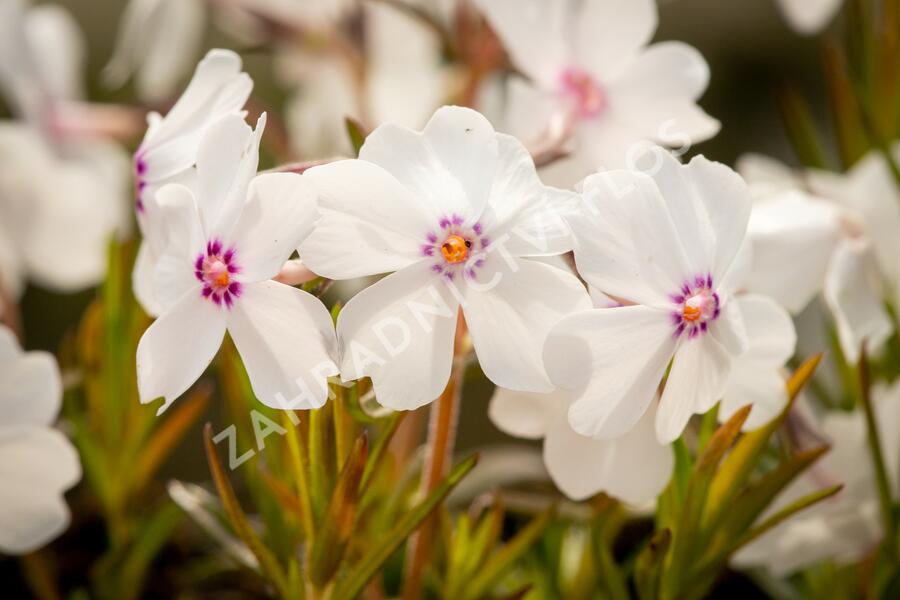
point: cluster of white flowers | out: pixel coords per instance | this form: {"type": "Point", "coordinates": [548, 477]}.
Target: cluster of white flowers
{"type": "Point", "coordinates": [680, 297]}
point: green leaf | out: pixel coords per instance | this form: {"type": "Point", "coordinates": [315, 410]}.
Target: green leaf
{"type": "Point", "coordinates": [150, 539]}
{"type": "Point", "coordinates": [649, 562]}
{"type": "Point", "coordinates": [268, 563]}
{"type": "Point", "coordinates": [800, 127]}
{"type": "Point", "coordinates": [372, 561]}
{"type": "Point", "coordinates": [340, 517]}
{"type": "Point", "coordinates": [500, 561]}
{"type": "Point", "coordinates": [356, 133]}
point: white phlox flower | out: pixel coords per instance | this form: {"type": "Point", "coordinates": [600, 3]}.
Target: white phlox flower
{"type": "Point", "coordinates": [168, 152]}
{"type": "Point", "coordinates": [848, 526]}
{"type": "Point", "coordinates": [157, 42]}
{"type": "Point", "coordinates": [839, 231]}
{"type": "Point", "coordinates": [665, 245]}
{"type": "Point", "coordinates": [593, 80]}
{"type": "Point", "coordinates": [37, 463]}
{"type": "Point", "coordinates": [227, 240]}
{"type": "Point", "coordinates": [61, 192]}
{"type": "Point", "coordinates": [454, 213]}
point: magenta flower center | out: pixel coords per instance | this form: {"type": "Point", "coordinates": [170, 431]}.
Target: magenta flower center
{"type": "Point", "coordinates": [696, 305]}
{"type": "Point", "coordinates": [217, 270]}
{"type": "Point", "coordinates": [457, 246]}
{"type": "Point", "coordinates": [586, 94]}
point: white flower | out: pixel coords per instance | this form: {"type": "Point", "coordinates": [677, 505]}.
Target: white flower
{"type": "Point", "coordinates": [405, 81]}
{"type": "Point", "coordinates": [666, 244]}
{"type": "Point", "coordinates": [840, 231]}
{"type": "Point", "coordinates": [226, 242]}
{"type": "Point", "coordinates": [809, 16]}
{"type": "Point", "coordinates": [37, 462]}
{"type": "Point", "coordinates": [634, 467]}
{"type": "Point", "coordinates": [846, 527]}
{"type": "Point", "coordinates": [168, 152]}
{"type": "Point", "coordinates": [592, 76]}
{"type": "Point", "coordinates": [455, 211]}
{"type": "Point", "coordinates": [157, 42]}
{"type": "Point", "coordinates": [61, 193]}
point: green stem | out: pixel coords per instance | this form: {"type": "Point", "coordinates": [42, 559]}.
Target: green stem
{"type": "Point", "coordinates": [881, 476]}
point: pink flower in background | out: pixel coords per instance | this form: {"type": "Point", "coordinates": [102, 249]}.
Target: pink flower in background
{"type": "Point", "coordinates": [592, 77]}
{"type": "Point", "coordinates": [227, 240]}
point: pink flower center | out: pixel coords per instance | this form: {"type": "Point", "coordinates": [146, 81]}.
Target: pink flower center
{"type": "Point", "coordinates": [216, 270]}
{"type": "Point", "coordinates": [585, 93]}
{"type": "Point", "coordinates": [457, 246]}
{"type": "Point", "coordinates": [696, 305]}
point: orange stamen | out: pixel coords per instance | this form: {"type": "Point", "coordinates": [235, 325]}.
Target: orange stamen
{"type": "Point", "coordinates": [455, 249]}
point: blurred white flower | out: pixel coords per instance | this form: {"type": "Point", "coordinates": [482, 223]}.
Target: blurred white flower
{"type": "Point", "coordinates": [61, 188]}
{"type": "Point", "coordinates": [848, 526]}
{"type": "Point", "coordinates": [37, 463]}
{"type": "Point", "coordinates": [840, 231]}
{"type": "Point", "coordinates": [634, 467]}
{"type": "Point", "coordinates": [404, 81]}
{"type": "Point", "coordinates": [227, 240]}
{"type": "Point", "coordinates": [666, 244]}
{"type": "Point", "coordinates": [455, 211]}
{"type": "Point", "coordinates": [592, 78]}
{"type": "Point", "coordinates": [157, 43]}
{"type": "Point", "coordinates": [809, 16]}
{"type": "Point", "coordinates": [169, 149]}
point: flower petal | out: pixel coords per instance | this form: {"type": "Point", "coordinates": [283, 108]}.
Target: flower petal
{"type": "Point", "coordinates": [38, 466]}
{"type": "Point", "coordinates": [280, 212]}
{"type": "Point", "coordinates": [696, 382]}
{"type": "Point", "coordinates": [809, 16]}
{"type": "Point", "coordinates": [32, 390]}
{"type": "Point", "coordinates": [370, 223]}
{"type": "Point", "coordinates": [626, 241]}
{"type": "Point", "coordinates": [178, 219]}
{"type": "Point", "coordinates": [791, 224]}
{"type": "Point", "coordinates": [634, 467]}
{"type": "Point", "coordinates": [142, 280]}
{"type": "Point", "coordinates": [177, 348]}
{"type": "Point", "coordinates": [399, 331]}
{"type": "Point", "coordinates": [286, 340]}
{"type": "Point", "coordinates": [525, 414]}
{"type": "Point", "coordinates": [534, 33]}
{"type": "Point", "coordinates": [609, 32]}
{"type": "Point", "coordinates": [449, 167]}
{"type": "Point", "coordinates": [521, 209]}
{"type": "Point", "coordinates": [611, 361]}
{"type": "Point", "coordinates": [857, 308]}
{"type": "Point", "coordinates": [510, 310]}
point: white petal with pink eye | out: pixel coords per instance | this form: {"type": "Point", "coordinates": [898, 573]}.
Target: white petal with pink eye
{"type": "Point", "coordinates": [634, 467]}
{"type": "Point", "coordinates": [756, 377]}
{"type": "Point", "coordinates": [611, 361]}
{"type": "Point", "coordinates": [510, 309]}
{"type": "Point", "coordinates": [609, 32]}
{"type": "Point", "coordinates": [791, 224]}
{"type": "Point", "coordinates": [533, 32]}
{"type": "Point", "coordinates": [32, 389]}
{"type": "Point", "coordinates": [526, 414]}
{"type": "Point", "coordinates": [529, 216]}
{"type": "Point", "coordinates": [400, 333]}
{"type": "Point", "coordinates": [286, 340]}
{"type": "Point", "coordinates": [37, 466]}
{"type": "Point", "coordinates": [696, 382]}
{"type": "Point", "coordinates": [857, 307]}
{"type": "Point", "coordinates": [370, 223]}
{"type": "Point", "coordinates": [176, 349]}
{"type": "Point", "coordinates": [279, 213]}
{"type": "Point", "coordinates": [449, 167]}
{"type": "Point", "coordinates": [626, 241]}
